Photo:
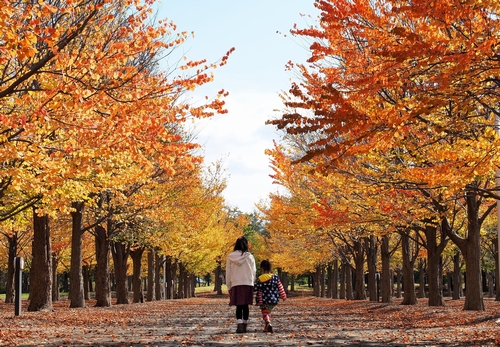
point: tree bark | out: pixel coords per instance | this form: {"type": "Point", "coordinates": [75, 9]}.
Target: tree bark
{"type": "Point", "coordinates": [41, 267]}
{"type": "Point", "coordinates": [316, 282]}
{"type": "Point", "coordinates": [175, 282]}
{"type": "Point", "coordinates": [102, 272]}
{"type": "Point", "coordinates": [348, 282]}
{"type": "Point", "coordinates": [218, 279]}
{"type": "Point", "coordinates": [159, 261]}
{"type": "Point", "coordinates": [474, 289]}
{"type": "Point", "coordinates": [187, 284]}
{"type": "Point", "coordinates": [497, 267]}
{"type": "Point", "coordinates": [399, 280]}
{"type": "Point", "coordinates": [385, 276]}
{"type": "Point", "coordinates": [86, 282]}
{"type": "Point", "coordinates": [409, 297]}
{"type": "Point", "coordinates": [76, 293]}
{"type": "Point", "coordinates": [150, 293]}
{"type": "Point", "coordinates": [55, 278]}
{"type": "Point", "coordinates": [168, 278]}
{"type": "Point", "coordinates": [471, 251]}
{"type": "Point", "coordinates": [434, 251]}
{"type": "Point", "coordinates": [335, 280]}
{"type": "Point", "coordinates": [286, 281]}
{"type": "Point", "coordinates": [13, 244]}
{"type": "Point", "coordinates": [343, 281]}
{"type": "Point", "coordinates": [322, 281]}
{"type": "Point", "coordinates": [421, 275]}
{"type": "Point", "coordinates": [329, 274]}
{"type": "Point", "coordinates": [180, 288]}
{"type": "Point", "coordinates": [120, 253]}
{"type": "Point", "coordinates": [371, 260]}
{"type": "Point", "coordinates": [136, 256]}
{"type": "Point", "coordinates": [359, 261]}
{"type": "Point", "coordinates": [457, 277]}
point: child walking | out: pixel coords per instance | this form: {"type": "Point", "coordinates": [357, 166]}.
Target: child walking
{"type": "Point", "coordinates": [240, 277]}
{"type": "Point", "coordinates": [269, 290]}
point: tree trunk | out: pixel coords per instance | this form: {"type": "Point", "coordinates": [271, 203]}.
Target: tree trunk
{"type": "Point", "coordinates": [168, 278]}
{"type": "Point", "coordinates": [410, 297]}
{"type": "Point", "coordinates": [471, 251]}
{"type": "Point", "coordinates": [335, 280]}
{"type": "Point", "coordinates": [218, 279]}
{"type": "Point", "coordinates": [41, 267]}
{"type": "Point", "coordinates": [76, 294]}
{"type": "Point", "coordinates": [329, 274]}
{"type": "Point", "coordinates": [473, 280]}
{"type": "Point", "coordinates": [102, 287]}
{"type": "Point", "coordinates": [55, 278]}
{"type": "Point", "coordinates": [284, 280]}
{"type": "Point", "coordinates": [421, 275]}
{"type": "Point", "coordinates": [491, 291]}
{"type": "Point", "coordinates": [120, 253]}
{"type": "Point", "coordinates": [359, 261]}
{"type": "Point", "coordinates": [180, 288]}
{"type": "Point", "coordinates": [497, 269]}
{"type": "Point", "coordinates": [187, 284]}
{"type": "Point", "coordinates": [193, 286]}
{"type": "Point", "coordinates": [322, 281]}
{"type": "Point", "coordinates": [399, 284]}
{"type": "Point", "coordinates": [316, 280]}
{"type": "Point", "coordinates": [136, 256]}
{"type": "Point", "coordinates": [86, 282]}
{"type": "Point", "coordinates": [457, 277]}
{"type": "Point", "coordinates": [292, 283]}
{"type": "Point", "coordinates": [371, 259]}
{"type": "Point", "coordinates": [13, 243]}
{"type": "Point", "coordinates": [434, 251]}
{"type": "Point", "coordinates": [385, 277]}
{"type": "Point", "coordinates": [159, 261]}
{"type": "Point", "coordinates": [343, 281]}
{"type": "Point", "coordinates": [175, 282]}
{"type": "Point", "coordinates": [348, 282]}
{"type": "Point", "coordinates": [150, 294]}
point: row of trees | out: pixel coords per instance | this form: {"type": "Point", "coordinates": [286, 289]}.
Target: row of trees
{"type": "Point", "coordinates": [96, 159]}
{"type": "Point", "coordinates": [390, 144]}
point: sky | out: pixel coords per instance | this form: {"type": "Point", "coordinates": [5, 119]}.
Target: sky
{"type": "Point", "coordinates": [254, 76]}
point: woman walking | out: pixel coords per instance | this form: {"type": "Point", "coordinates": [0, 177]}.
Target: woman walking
{"type": "Point", "coordinates": [240, 277]}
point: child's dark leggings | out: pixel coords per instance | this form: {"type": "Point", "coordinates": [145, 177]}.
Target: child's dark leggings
{"type": "Point", "coordinates": [242, 312]}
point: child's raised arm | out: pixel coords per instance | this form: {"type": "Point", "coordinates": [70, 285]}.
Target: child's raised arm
{"type": "Point", "coordinates": [281, 291]}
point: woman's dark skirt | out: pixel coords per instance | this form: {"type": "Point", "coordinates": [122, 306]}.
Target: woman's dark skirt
{"type": "Point", "coordinates": [241, 295]}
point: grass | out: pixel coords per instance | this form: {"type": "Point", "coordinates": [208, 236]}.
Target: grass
{"type": "Point", "coordinates": [24, 296]}
{"type": "Point", "coordinates": [203, 289]}
{"type": "Point", "coordinates": [208, 289]}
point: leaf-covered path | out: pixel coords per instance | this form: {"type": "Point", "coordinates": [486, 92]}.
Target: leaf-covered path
{"type": "Point", "coordinates": [209, 321]}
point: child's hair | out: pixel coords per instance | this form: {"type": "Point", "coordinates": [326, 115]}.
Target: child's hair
{"type": "Point", "coordinates": [241, 244]}
{"type": "Point", "coordinates": [265, 265]}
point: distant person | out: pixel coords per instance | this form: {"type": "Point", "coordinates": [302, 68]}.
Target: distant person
{"type": "Point", "coordinates": [269, 290]}
{"type": "Point", "coordinates": [240, 278]}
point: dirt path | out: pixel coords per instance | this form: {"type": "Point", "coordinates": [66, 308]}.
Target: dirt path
{"type": "Point", "coordinates": [209, 321]}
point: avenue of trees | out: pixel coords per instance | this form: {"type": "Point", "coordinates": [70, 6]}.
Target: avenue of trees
{"type": "Point", "coordinates": [388, 156]}
{"type": "Point", "coordinates": [97, 167]}
{"type": "Point", "coordinates": [389, 153]}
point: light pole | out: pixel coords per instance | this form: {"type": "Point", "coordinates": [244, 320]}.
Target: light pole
{"type": "Point", "coordinates": [497, 181]}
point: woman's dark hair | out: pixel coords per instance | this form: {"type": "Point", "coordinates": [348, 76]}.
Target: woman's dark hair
{"type": "Point", "coordinates": [265, 265]}
{"type": "Point", "coordinates": [241, 244]}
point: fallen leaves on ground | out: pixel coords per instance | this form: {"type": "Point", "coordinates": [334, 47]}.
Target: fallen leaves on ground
{"type": "Point", "coordinates": [300, 321]}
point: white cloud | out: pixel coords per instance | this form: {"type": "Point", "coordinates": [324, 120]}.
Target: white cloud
{"type": "Point", "coordinates": [241, 138]}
